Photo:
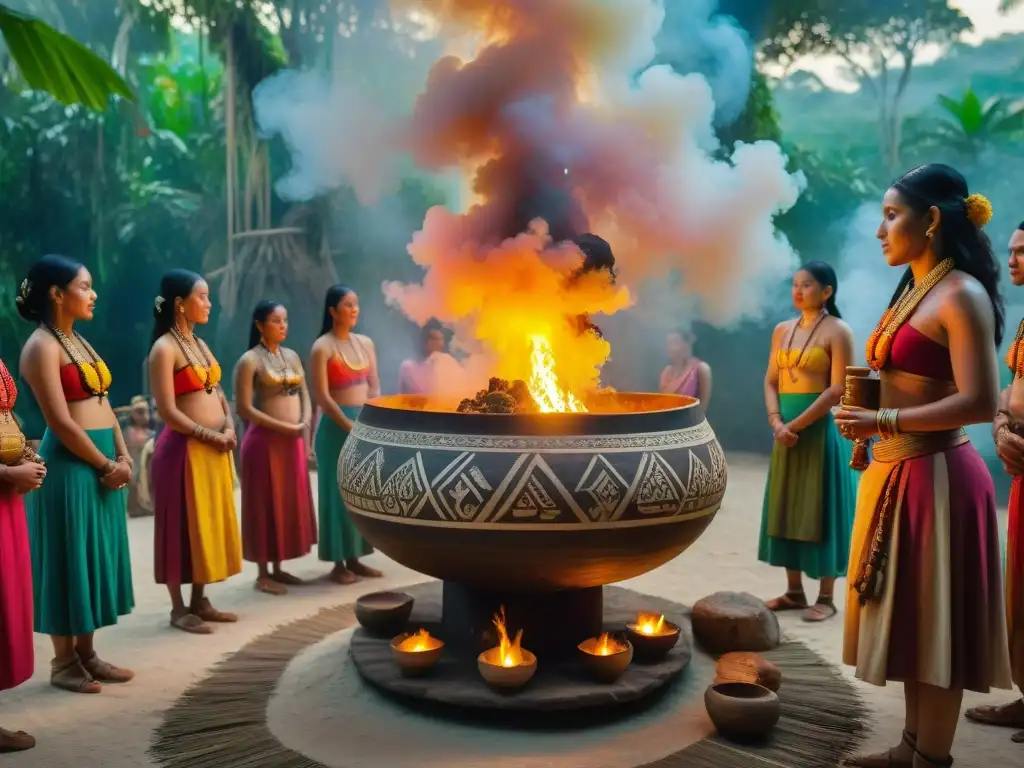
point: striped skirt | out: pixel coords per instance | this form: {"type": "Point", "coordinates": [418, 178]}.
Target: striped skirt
{"type": "Point", "coordinates": [278, 521]}
{"type": "Point", "coordinates": [196, 539]}
{"type": "Point", "coordinates": [16, 652]}
{"type": "Point", "coordinates": [78, 529]}
{"type": "Point", "coordinates": [1015, 581]}
{"type": "Point", "coordinates": [940, 618]}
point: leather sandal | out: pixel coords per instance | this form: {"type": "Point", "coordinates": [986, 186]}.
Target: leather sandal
{"type": "Point", "coordinates": [189, 622]}
{"type": "Point", "coordinates": [886, 759]}
{"type": "Point", "coordinates": [791, 601]}
{"type": "Point", "coordinates": [15, 741]}
{"type": "Point", "coordinates": [823, 609]}
{"type": "Point", "coordinates": [205, 611]}
{"type": "Point", "coordinates": [922, 760]}
{"type": "Point", "coordinates": [70, 675]}
{"type": "Point", "coordinates": [106, 672]}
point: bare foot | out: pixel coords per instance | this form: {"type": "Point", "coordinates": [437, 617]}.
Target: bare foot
{"type": "Point", "coordinates": [270, 586]}
{"type": "Point", "coordinates": [283, 577]}
{"type": "Point", "coordinates": [1005, 715]}
{"type": "Point", "coordinates": [364, 570]}
{"type": "Point", "coordinates": [342, 575]}
{"type": "Point", "coordinates": [15, 741]}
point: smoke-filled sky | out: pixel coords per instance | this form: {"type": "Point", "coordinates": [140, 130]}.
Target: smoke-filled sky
{"type": "Point", "coordinates": [552, 109]}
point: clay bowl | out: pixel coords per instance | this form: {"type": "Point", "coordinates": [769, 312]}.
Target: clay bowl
{"type": "Point", "coordinates": [532, 502]}
{"type": "Point", "coordinates": [506, 678]}
{"type": "Point", "coordinates": [742, 711]}
{"type": "Point", "coordinates": [604, 668]}
{"type": "Point", "coordinates": [653, 647]}
{"type": "Point", "coordinates": [416, 663]}
{"type": "Point", "coordinates": [384, 613]}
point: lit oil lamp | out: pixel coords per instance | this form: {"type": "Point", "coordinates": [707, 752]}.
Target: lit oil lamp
{"type": "Point", "coordinates": [508, 664]}
{"type": "Point", "coordinates": [652, 636]}
{"type": "Point", "coordinates": [416, 654]}
{"type": "Point", "coordinates": [605, 658]}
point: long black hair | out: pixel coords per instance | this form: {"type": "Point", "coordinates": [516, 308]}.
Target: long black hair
{"type": "Point", "coordinates": [331, 300]}
{"type": "Point", "coordinates": [33, 297]}
{"type": "Point", "coordinates": [259, 315]}
{"type": "Point", "coordinates": [432, 325]}
{"type": "Point", "coordinates": [824, 276]}
{"type": "Point", "coordinates": [940, 186]}
{"type": "Point", "coordinates": [176, 284]}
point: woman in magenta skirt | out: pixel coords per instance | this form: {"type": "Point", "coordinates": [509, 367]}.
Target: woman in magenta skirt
{"type": "Point", "coordinates": [21, 471]}
{"type": "Point", "coordinates": [278, 520]}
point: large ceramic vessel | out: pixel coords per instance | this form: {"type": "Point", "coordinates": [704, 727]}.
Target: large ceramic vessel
{"type": "Point", "coordinates": [527, 503]}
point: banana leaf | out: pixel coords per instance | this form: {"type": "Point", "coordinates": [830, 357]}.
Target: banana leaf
{"type": "Point", "coordinates": [51, 61]}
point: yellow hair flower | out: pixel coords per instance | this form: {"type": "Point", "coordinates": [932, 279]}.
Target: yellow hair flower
{"type": "Point", "coordinates": [979, 210]}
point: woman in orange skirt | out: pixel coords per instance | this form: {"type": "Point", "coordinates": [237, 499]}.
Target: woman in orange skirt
{"type": "Point", "coordinates": [196, 536]}
{"type": "Point", "coordinates": [278, 521]}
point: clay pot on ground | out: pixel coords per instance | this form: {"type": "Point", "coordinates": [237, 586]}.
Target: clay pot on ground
{"type": "Point", "coordinates": [742, 711]}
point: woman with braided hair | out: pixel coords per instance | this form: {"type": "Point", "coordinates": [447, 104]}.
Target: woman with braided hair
{"type": "Point", "coordinates": [925, 588]}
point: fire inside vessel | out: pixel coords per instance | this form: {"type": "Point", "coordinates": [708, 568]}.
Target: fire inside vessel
{"type": "Point", "coordinates": [530, 514]}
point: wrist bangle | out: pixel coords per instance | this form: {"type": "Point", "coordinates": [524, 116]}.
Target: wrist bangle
{"type": "Point", "coordinates": [107, 468]}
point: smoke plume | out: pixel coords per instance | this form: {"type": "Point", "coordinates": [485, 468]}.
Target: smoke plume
{"type": "Point", "coordinates": [559, 135]}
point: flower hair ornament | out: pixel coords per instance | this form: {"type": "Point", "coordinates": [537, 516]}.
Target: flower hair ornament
{"type": "Point", "coordinates": [158, 303]}
{"type": "Point", "coordinates": [23, 291]}
{"type": "Point", "coordinates": [979, 210]}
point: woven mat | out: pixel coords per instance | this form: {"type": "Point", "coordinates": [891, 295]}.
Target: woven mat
{"type": "Point", "coordinates": [221, 722]}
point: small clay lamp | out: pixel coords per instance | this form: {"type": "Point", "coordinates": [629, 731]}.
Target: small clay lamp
{"type": "Point", "coordinates": [384, 613]}
{"type": "Point", "coordinates": [605, 658]}
{"type": "Point", "coordinates": [507, 665]}
{"type": "Point", "coordinates": [416, 654]}
{"type": "Point", "coordinates": [652, 636]}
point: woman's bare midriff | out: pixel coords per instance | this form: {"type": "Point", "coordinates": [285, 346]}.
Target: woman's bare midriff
{"type": "Point", "coordinates": [806, 383]}
{"type": "Point", "coordinates": [905, 390]}
{"type": "Point", "coordinates": [350, 397]}
{"type": "Point", "coordinates": [204, 408]}
{"type": "Point", "coordinates": [286, 408]}
{"type": "Point", "coordinates": [93, 413]}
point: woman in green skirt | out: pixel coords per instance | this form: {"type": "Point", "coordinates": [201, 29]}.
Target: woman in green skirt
{"type": "Point", "coordinates": [81, 572]}
{"type": "Point", "coordinates": [343, 376]}
{"type": "Point", "coordinates": [811, 493]}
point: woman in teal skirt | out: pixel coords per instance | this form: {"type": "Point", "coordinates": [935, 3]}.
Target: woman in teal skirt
{"type": "Point", "coordinates": [343, 376]}
{"type": "Point", "coordinates": [81, 572]}
{"type": "Point", "coordinates": [811, 493]}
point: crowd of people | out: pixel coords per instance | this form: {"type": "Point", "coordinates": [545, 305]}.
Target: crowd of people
{"type": "Point", "coordinates": [916, 535]}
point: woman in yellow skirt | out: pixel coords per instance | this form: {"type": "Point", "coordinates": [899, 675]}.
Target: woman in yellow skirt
{"type": "Point", "coordinates": [197, 537]}
{"type": "Point", "coordinates": [925, 588]}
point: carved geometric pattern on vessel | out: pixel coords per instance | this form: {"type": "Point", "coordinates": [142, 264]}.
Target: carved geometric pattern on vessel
{"type": "Point", "coordinates": [536, 494]}
{"type": "Point", "coordinates": [673, 439]}
{"type": "Point", "coordinates": [530, 490]}
{"type": "Point", "coordinates": [661, 491]}
{"type": "Point", "coordinates": [461, 489]}
{"type": "Point", "coordinates": [606, 488]}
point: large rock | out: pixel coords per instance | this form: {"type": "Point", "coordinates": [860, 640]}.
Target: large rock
{"type": "Point", "coordinates": [745, 667]}
{"type": "Point", "coordinates": [734, 621]}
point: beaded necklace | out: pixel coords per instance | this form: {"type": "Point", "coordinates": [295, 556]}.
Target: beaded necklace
{"type": "Point", "coordinates": [88, 370]}
{"type": "Point", "coordinates": [880, 341]}
{"type": "Point", "coordinates": [10, 394]}
{"type": "Point", "coordinates": [1014, 356]}
{"type": "Point", "coordinates": [189, 349]}
{"type": "Point", "coordinates": [277, 366]}
{"type": "Point", "coordinates": [791, 367]}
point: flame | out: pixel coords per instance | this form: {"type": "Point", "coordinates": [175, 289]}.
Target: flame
{"type": "Point", "coordinates": [421, 641]}
{"type": "Point", "coordinates": [606, 645]}
{"type": "Point", "coordinates": [510, 653]}
{"type": "Point", "coordinates": [650, 624]}
{"type": "Point", "coordinates": [544, 386]}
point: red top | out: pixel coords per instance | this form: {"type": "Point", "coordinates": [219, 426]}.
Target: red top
{"type": "Point", "coordinates": [193, 378]}
{"type": "Point", "coordinates": [341, 376]}
{"type": "Point", "coordinates": [74, 388]}
{"type": "Point", "coordinates": [915, 353]}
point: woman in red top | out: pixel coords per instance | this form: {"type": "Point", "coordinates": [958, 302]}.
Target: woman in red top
{"type": "Point", "coordinates": [81, 571]}
{"type": "Point", "coordinates": [343, 376]}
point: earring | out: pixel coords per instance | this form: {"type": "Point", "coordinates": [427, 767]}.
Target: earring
{"type": "Point", "coordinates": [929, 234]}
{"type": "Point", "coordinates": [182, 309]}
